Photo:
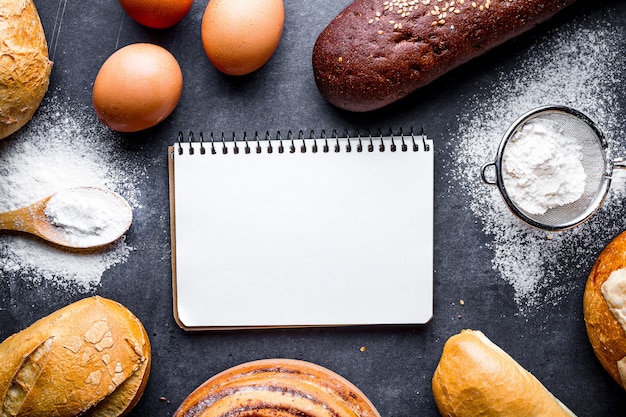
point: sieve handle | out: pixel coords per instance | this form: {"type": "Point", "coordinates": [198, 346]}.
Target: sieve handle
{"type": "Point", "coordinates": [489, 179]}
{"type": "Point", "coordinates": [619, 163]}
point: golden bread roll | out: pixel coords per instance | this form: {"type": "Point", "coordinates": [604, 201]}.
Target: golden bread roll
{"type": "Point", "coordinates": [603, 308]}
{"type": "Point", "coordinates": [24, 64]}
{"type": "Point", "coordinates": [90, 358]}
{"type": "Point", "coordinates": [277, 388]}
{"type": "Point", "coordinates": [475, 377]}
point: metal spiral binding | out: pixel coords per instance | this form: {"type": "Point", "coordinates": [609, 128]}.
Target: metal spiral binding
{"type": "Point", "coordinates": [369, 143]}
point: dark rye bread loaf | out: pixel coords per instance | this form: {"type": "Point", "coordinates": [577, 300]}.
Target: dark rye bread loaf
{"type": "Point", "coordinates": [376, 52]}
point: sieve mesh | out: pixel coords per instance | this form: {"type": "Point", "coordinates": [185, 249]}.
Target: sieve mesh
{"type": "Point", "coordinates": [593, 157]}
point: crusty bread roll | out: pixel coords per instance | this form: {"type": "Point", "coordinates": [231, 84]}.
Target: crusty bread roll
{"type": "Point", "coordinates": [24, 64]}
{"type": "Point", "coordinates": [377, 51]}
{"type": "Point", "coordinates": [603, 307]}
{"type": "Point", "coordinates": [475, 377]}
{"type": "Point", "coordinates": [90, 358]}
{"type": "Point", "coordinates": [277, 388]}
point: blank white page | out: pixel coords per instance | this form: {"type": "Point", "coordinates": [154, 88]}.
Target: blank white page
{"type": "Point", "coordinates": [309, 238]}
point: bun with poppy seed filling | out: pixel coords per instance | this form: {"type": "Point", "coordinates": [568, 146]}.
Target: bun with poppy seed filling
{"type": "Point", "coordinates": [277, 387]}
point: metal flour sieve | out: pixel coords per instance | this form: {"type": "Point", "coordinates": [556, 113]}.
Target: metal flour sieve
{"type": "Point", "coordinates": [591, 147]}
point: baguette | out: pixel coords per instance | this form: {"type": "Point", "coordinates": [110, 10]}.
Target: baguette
{"type": "Point", "coordinates": [24, 64]}
{"type": "Point", "coordinates": [475, 377]}
{"type": "Point", "coordinates": [89, 358]}
{"type": "Point", "coordinates": [277, 387]}
{"type": "Point", "coordinates": [603, 308]}
{"type": "Point", "coordinates": [376, 52]}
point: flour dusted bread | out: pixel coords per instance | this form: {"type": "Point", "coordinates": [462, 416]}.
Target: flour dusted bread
{"type": "Point", "coordinates": [277, 387]}
{"type": "Point", "coordinates": [604, 304]}
{"type": "Point", "coordinates": [24, 64]}
{"type": "Point", "coordinates": [89, 358]}
{"type": "Point", "coordinates": [377, 51]}
{"type": "Point", "coordinates": [475, 377]}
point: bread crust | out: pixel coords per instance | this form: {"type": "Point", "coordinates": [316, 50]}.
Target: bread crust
{"type": "Point", "coordinates": [277, 388]}
{"type": "Point", "coordinates": [91, 355]}
{"type": "Point", "coordinates": [370, 56]}
{"type": "Point", "coordinates": [24, 64]}
{"type": "Point", "coordinates": [606, 335]}
{"type": "Point", "coordinates": [475, 377]}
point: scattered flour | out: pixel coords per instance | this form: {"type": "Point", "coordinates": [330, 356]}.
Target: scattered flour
{"type": "Point", "coordinates": [577, 66]}
{"type": "Point", "coordinates": [63, 146]}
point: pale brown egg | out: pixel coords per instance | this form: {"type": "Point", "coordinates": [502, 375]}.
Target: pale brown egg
{"type": "Point", "coordinates": [137, 87]}
{"type": "Point", "coordinates": [239, 37]}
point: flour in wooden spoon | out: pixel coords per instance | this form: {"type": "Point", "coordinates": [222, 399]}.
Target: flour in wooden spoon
{"type": "Point", "coordinates": [63, 146]}
{"type": "Point", "coordinates": [87, 216]}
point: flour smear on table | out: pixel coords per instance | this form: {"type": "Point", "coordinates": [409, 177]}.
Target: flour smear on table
{"type": "Point", "coordinates": [63, 146]}
{"type": "Point", "coordinates": [581, 65]}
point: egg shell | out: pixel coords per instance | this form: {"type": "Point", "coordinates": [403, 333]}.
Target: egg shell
{"type": "Point", "coordinates": [239, 37]}
{"type": "Point", "coordinates": [137, 87]}
{"type": "Point", "coordinates": [157, 14]}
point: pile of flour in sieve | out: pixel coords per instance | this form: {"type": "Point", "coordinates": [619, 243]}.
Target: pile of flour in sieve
{"type": "Point", "coordinates": [64, 146]}
{"type": "Point", "coordinates": [555, 71]}
{"type": "Point", "coordinates": [542, 168]}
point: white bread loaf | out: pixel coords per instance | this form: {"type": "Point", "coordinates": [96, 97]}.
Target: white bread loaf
{"type": "Point", "coordinates": [89, 358]}
{"type": "Point", "coordinates": [475, 377]}
{"type": "Point", "coordinates": [604, 311]}
{"type": "Point", "coordinates": [24, 64]}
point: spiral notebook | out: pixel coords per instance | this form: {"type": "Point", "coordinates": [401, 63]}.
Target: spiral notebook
{"type": "Point", "coordinates": [315, 231]}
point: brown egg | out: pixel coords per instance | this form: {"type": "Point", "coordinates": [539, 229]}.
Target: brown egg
{"type": "Point", "coordinates": [239, 37]}
{"type": "Point", "coordinates": [157, 14]}
{"type": "Point", "coordinates": [137, 87]}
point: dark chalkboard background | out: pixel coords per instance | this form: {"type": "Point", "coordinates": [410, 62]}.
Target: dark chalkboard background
{"type": "Point", "coordinates": [396, 367]}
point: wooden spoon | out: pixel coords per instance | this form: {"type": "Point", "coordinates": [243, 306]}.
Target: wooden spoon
{"type": "Point", "coordinates": [33, 219]}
